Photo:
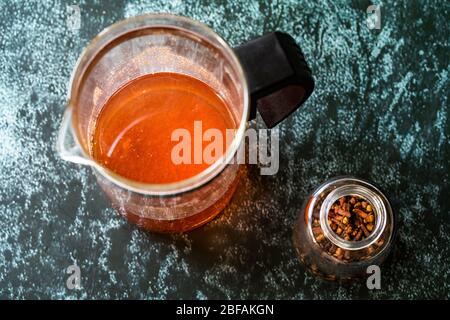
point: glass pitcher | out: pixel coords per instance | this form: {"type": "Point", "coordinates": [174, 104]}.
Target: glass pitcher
{"type": "Point", "coordinates": [269, 74]}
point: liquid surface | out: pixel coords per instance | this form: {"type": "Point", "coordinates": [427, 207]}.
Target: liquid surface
{"type": "Point", "coordinates": [133, 131]}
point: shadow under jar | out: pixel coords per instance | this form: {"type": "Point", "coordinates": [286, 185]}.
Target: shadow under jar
{"type": "Point", "coordinates": [325, 252]}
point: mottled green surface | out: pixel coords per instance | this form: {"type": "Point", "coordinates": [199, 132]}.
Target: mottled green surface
{"type": "Point", "coordinates": [380, 110]}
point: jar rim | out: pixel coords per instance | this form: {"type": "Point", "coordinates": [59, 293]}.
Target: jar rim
{"type": "Point", "coordinates": [371, 196]}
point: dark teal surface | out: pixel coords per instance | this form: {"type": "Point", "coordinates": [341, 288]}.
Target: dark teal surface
{"type": "Point", "coordinates": [380, 110]}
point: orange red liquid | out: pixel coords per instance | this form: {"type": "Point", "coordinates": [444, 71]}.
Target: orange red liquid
{"type": "Point", "coordinates": [133, 138]}
{"type": "Point", "coordinates": [134, 129]}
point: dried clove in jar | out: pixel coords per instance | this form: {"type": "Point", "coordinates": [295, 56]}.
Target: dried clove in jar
{"type": "Point", "coordinates": [345, 225]}
{"type": "Point", "coordinates": [352, 218]}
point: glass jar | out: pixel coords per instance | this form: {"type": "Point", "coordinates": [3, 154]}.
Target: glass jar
{"type": "Point", "coordinates": [325, 253]}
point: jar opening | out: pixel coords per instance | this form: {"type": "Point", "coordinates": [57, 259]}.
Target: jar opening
{"type": "Point", "coordinates": [360, 191]}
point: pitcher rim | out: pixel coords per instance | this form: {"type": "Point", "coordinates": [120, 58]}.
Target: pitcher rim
{"type": "Point", "coordinates": [214, 169]}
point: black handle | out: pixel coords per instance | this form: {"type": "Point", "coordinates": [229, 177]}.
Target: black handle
{"type": "Point", "coordinates": [278, 76]}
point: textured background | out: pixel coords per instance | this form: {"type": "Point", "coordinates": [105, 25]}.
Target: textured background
{"type": "Point", "coordinates": [379, 110]}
